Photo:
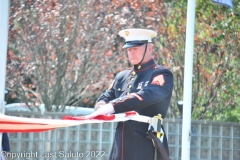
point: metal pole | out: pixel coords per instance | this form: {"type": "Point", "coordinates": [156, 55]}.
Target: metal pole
{"type": "Point", "coordinates": [188, 73]}
{"type": "Point", "coordinates": [4, 11]}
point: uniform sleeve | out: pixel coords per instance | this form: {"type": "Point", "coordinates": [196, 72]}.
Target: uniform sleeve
{"type": "Point", "coordinates": [108, 95]}
{"type": "Point", "coordinates": [158, 90]}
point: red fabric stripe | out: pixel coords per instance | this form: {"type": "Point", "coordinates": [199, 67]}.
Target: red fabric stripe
{"type": "Point", "coordinates": [27, 130]}
{"type": "Point", "coordinates": [105, 117]}
{"type": "Point", "coordinates": [130, 113]}
{"type": "Point", "coordinates": [99, 117]}
{"type": "Point", "coordinates": [136, 95]}
{"type": "Point", "coordinates": [4, 122]}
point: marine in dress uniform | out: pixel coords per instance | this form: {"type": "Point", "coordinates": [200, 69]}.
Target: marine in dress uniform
{"type": "Point", "coordinates": [146, 89]}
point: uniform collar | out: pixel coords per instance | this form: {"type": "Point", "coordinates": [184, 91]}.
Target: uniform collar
{"type": "Point", "coordinates": [145, 65]}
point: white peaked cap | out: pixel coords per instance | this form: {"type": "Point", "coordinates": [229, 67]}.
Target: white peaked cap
{"type": "Point", "coordinates": [135, 34]}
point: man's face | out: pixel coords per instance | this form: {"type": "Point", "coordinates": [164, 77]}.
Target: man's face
{"type": "Point", "coordinates": [135, 54]}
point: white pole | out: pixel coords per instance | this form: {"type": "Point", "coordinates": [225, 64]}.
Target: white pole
{"type": "Point", "coordinates": [188, 72]}
{"type": "Point", "coordinates": [4, 7]}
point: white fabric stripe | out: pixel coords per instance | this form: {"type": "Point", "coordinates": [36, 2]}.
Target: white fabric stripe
{"type": "Point", "coordinates": [141, 118]}
{"type": "Point", "coordinates": [119, 115]}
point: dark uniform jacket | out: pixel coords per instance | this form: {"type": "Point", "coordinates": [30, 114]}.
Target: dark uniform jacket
{"type": "Point", "coordinates": [5, 143]}
{"type": "Point", "coordinates": [146, 90]}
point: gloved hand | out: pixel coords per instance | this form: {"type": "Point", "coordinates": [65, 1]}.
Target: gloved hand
{"type": "Point", "coordinates": [98, 105]}
{"type": "Point", "coordinates": [102, 110]}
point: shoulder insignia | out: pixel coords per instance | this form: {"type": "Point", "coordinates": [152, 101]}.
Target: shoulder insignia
{"type": "Point", "coordinates": [158, 80]}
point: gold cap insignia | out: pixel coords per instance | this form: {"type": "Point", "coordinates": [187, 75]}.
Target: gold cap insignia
{"type": "Point", "coordinates": [126, 33]}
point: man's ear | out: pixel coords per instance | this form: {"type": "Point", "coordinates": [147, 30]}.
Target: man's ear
{"type": "Point", "coordinates": [150, 47]}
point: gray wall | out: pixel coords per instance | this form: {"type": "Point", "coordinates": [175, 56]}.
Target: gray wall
{"type": "Point", "coordinates": [209, 141]}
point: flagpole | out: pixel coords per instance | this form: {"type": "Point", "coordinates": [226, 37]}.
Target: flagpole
{"type": "Point", "coordinates": [4, 11]}
{"type": "Point", "coordinates": [188, 73]}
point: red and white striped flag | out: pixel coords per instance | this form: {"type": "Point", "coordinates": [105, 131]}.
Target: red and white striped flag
{"type": "Point", "coordinates": [21, 124]}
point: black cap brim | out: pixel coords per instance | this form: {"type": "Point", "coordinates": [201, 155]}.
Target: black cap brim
{"type": "Point", "coordinates": [134, 44]}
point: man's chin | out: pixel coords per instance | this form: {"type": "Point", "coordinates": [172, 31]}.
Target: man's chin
{"type": "Point", "coordinates": [134, 62]}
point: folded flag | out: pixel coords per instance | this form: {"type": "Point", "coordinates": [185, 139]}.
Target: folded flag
{"type": "Point", "coordinates": [227, 3]}
{"type": "Point", "coordinates": [21, 124]}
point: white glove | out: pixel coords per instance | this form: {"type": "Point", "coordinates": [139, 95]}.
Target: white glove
{"type": "Point", "coordinates": [102, 110]}
{"type": "Point", "coordinates": [99, 104]}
